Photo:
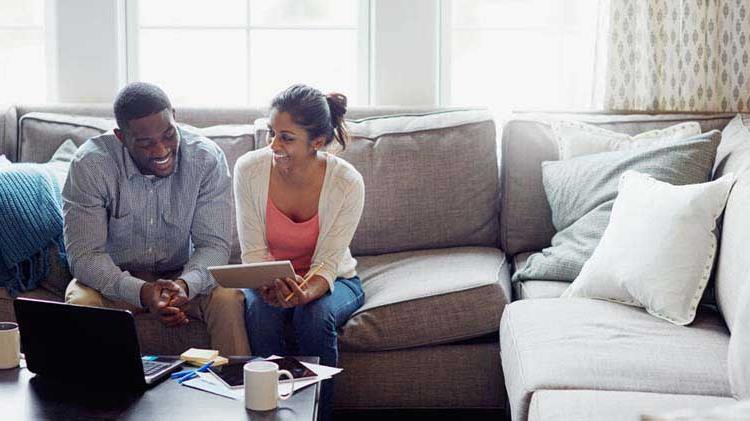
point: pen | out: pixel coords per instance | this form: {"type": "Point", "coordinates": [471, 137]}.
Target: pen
{"type": "Point", "coordinates": [189, 374]}
{"type": "Point", "coordinates": [179, 374]}
{"type": "Point", "coordinates": [304, 281]}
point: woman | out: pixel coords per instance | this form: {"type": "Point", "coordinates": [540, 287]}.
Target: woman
{"type": "Point", "coordinates": [295, 202]}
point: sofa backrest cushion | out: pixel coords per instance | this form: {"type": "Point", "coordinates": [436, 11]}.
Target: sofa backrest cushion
{"type": "Point", "coordinates": [431, 180]}
{"type": "Point", "coordinates": [528, 140]}
{"type": "Point", "coordinates": [40, 134]}
{"type": "Point", "coordinates": [733, 269]}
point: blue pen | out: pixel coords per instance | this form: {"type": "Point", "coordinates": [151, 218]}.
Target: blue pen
{"type": "Point", "coordinates": [179, 374]}
{"type": "Point", "coordinates": [187, 377]}
{"type": "Point", "coordinates": [204, 367]}
{"type": "Point", "coordinates": [190, 374]}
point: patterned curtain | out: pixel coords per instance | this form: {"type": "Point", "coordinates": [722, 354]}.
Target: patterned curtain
{"type": "Point", "coordinates": [678, 55]}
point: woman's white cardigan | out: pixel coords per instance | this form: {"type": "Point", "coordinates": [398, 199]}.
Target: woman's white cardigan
{"type": "Point", "coordinates": [339, 209]}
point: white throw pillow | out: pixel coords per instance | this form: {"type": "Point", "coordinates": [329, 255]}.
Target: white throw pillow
{"type": "Point", "coordinates": [577, 139]}
{"type": "Point", "coordinates": [4, 161]}
{"type": "Point", "coordinates": [659, 247]}
{"type": "Point", "coordinates": [739, 348]}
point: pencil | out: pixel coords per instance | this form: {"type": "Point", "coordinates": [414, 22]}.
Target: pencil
{"type": "Point", "coordinates": [304, 281]}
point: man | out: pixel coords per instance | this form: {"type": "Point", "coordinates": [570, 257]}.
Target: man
{"type": "Point", "coordinates": [146, 210]}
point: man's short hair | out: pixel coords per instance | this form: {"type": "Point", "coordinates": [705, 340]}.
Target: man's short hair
{"type": "Point", "coordinates": [137, 100]}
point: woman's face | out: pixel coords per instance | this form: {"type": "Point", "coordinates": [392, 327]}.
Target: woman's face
{"type": "Point", "coordinates": [289, 142]}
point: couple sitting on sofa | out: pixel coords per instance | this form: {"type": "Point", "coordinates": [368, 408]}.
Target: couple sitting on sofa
{"type": "Point", "coordinates": [147, 210]}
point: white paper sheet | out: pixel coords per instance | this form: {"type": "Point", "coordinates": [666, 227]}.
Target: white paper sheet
{"type": "Point", "coordinates": [208, 382]}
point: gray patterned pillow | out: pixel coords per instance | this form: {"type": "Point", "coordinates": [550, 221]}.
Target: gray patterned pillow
{"type": "Point", "coordinates": [581, 192]}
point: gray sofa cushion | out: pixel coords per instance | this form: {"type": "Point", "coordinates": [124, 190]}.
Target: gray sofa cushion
{"type": "Point", "coordinates": [597, 405]}
{"type": "Point", "coordinates": [428, 297]}
{"type": "Point", "coordinates": [581, 192]}
{"type": "Point", "coordinates": [733, 268]}
{"type": "Point", "coordinates": [431, 180]}
{"type": "Point", "coordinates": [40, 134]}
{"type": "Point", "coordinates": [527, 141]}
{"type": "Point", "coordinates": [465, 375]}
{"type": "Point", "coordinates": [570, 343]}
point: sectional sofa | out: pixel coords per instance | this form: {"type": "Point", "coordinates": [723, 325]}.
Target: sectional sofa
{"type": "Point", "coordinates": [454, 204]}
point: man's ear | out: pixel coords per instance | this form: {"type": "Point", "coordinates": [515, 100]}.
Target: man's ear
{"type": "Point", "coordinates": [120, 135]}
{"type": "Point", "coordinates": [174, 115]}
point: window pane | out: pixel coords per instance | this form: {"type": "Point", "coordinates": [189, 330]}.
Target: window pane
{"type": "Point", "coordinates": [504, 13]}
{"type": "Point", "coordinates": [492, 68]}
{"type": "Point", "coordinates": [21, 12]}
{"type": "Point", "coordinates": [283, 57]}
{"type": "Point", "coordinates": [23, 76]}
{"type": "Point", "coordinates": [203, 67]}
{"type": "Point", "coordinates": [192, 12]}
{"type": "Point", "coordinates": [530, 54]}
{"type": "Point", "coordinates": [309, 12]}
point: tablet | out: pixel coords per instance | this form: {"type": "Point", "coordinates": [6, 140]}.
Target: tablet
{"type": "Point", "coordinates": [232, 374]}
{"type": "Point", "coordinates": [251, 275]}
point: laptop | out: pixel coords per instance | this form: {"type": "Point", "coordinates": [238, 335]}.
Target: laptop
{"type": "Point", "coordinates": [87, 345]}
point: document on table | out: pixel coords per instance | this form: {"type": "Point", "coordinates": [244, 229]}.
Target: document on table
{"type": "Point", "coordinates": [208, 382]}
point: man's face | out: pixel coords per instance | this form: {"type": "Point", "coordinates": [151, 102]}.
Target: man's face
{"type": "Point", "coordinates": [152, 142]}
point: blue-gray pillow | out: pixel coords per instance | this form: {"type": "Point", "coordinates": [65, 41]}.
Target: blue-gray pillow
{"type": "Point", "coordinates": [581, 191]}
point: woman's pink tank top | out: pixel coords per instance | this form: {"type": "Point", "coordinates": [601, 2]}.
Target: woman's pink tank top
{"type": "Point", "coordinates": [289, 240]}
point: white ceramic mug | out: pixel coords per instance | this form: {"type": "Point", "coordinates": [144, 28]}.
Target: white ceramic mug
{"type": "Point", "coordinates": [10, 345]}
{"type": "Point", "coordinates": [262, 385]}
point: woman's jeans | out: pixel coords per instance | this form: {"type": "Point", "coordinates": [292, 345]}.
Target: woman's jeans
{"type": "Point", "coordinates": [315, 325]}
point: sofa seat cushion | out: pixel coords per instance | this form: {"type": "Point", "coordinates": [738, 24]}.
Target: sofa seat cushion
{"type": "Point", "coordinates": [542, 288]}
{"type": "Point", "coordinates": [428, 297]}
{"type": "Point", "coordinates": [598, 405]}
{"type": "Point", "coordinates": [579, 343]}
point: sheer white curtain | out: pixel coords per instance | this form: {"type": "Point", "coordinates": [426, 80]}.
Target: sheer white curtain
{"type": "Point", "coordinates": [677, 55]}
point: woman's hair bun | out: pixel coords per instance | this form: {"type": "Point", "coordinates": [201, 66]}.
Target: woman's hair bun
{"type": "Point", "coordinates": [337, 105]}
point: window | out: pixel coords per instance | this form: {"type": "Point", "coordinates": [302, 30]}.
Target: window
{"type": "Point", "coordinates": [23, 65]}
{"type": "Point", "coordinates": [242, 52]}
{"type": "Point", "coordinates": [519, 54]}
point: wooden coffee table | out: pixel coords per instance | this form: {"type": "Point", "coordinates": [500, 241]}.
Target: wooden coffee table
{"type": "Point", "coordinates": [23, 395]}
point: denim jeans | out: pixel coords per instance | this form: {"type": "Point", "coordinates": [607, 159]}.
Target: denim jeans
{"type": "Point", "coordinates": [315, 328]}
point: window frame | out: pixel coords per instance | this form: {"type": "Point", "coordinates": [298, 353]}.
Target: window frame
{"type": "Point", "coordinates": [363, 29]}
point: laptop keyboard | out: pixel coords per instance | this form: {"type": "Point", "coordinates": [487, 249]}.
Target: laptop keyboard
{"type": "Point", "coordinates": [153, 367]}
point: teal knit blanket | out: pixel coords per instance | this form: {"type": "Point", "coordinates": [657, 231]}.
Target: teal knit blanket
{"type": "Point", "coordinates": [30, 222]}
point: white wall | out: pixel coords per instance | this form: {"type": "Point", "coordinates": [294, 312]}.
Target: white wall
{"type": "Point", "coordinates": [405, 52]}
{"type": "Point", "coordinates": [91, 51]}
